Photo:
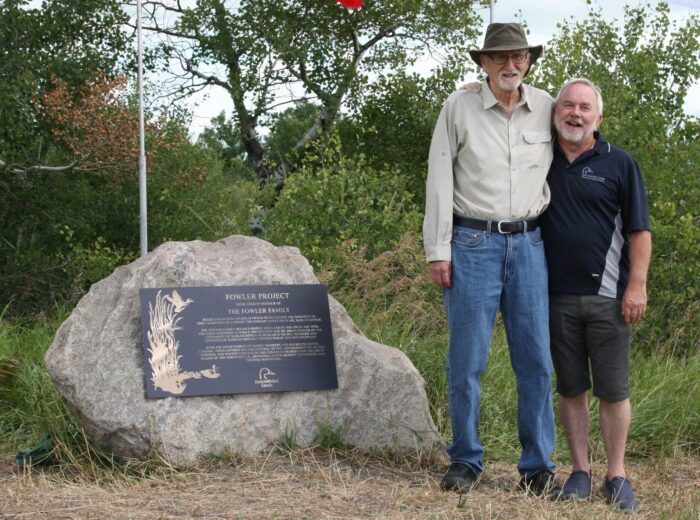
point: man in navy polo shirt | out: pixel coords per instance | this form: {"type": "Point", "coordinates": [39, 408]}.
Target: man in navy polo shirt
{"type": "Point", "coordinates": [598, 247]}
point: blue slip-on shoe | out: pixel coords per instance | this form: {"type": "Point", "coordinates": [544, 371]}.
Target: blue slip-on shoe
{"type": "Point", "coordinates": [618, 492]}
{"type": "Point", "coordinates": [578, 486]}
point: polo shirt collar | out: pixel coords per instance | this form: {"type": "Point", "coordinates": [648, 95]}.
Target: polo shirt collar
{"type": "Point", "coordinates": [601, 145]}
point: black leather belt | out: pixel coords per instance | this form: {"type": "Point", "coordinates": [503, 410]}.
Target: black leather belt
{"type": "Point", "coordinates": [498, 226]}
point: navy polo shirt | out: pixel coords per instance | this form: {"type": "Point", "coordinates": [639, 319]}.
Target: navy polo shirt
{"type": "Point", "coordinates": [596, 202]}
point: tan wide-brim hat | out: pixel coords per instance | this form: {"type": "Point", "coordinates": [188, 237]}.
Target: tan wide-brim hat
{"type": "Point", "coordinates": [506, 37]}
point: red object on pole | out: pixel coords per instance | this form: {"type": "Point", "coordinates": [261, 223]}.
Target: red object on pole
{"type": "Point", "coordinates": [351, 4]}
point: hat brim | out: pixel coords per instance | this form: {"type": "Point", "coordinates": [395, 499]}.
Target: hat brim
{"type": "Point", "coordinates": [535, 52]}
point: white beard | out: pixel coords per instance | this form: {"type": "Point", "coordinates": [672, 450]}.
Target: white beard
{"type": "Point", "coordinates": [573, 135]}
{"type": "Point", "coordinates": [511, 84]}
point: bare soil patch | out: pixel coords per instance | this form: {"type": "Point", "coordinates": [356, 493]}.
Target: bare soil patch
{"type": "Point", "coordinates": [326, 485]}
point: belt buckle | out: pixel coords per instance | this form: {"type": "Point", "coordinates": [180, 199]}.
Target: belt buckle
{"type": "Point", "coordinates": [502, 232]}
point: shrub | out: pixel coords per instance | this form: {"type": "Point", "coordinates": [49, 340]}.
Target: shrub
{"type": "Point", "coordinates": [672, 322]}
{"type": "Point", "coordinates": [84, 265]}
{"type": "Point", "coordinates": [333, 199]}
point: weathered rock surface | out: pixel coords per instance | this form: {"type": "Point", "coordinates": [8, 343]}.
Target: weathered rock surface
{"type": "Point", "coordinates": [97, 363]}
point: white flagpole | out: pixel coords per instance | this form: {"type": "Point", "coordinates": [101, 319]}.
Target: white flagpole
{"type": "Point", "coordinates": [476, 4]}
{"type": "Point", "coordinates": [143, 206]}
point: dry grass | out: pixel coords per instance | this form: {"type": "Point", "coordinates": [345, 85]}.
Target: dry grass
{"type": "Point", "coordinates": [326, 485]}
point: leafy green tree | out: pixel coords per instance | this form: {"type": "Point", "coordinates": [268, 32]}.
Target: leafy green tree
{"type": "Point", "coordinates": [192, 197]}
{"type": "Point", "coordinates": [68, 156]}
{"type": "Point", "coordinates": [73, 41]}
{"type": "Point", "coordinates": [288, 128]}
{"type": "Point", "coordinates": [392, 123]}
{"type": "Point", "coordinates": [57, 47]}
{"type": "Point", "coordinates": [644, 69]}
{"type": "Point", "coordinates": [265, 53]}
{"type": "Point", "coordinates": [223, 139]}
{"type": "Point", "coordinates": [65, 230]}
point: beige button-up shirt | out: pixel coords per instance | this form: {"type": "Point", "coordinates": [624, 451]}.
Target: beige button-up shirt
{"type": "Point", "coordinates": [485, 164]}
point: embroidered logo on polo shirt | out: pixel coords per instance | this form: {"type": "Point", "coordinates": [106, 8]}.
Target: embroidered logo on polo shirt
{"type": "Point", "coordinates": [587, 174]}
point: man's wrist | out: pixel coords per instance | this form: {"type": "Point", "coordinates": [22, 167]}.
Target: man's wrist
{"type": "Point", "coordinates": [637, 283]}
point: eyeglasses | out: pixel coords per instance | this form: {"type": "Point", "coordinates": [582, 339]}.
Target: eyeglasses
{"type": "Point", "coordinates": [518, 57]}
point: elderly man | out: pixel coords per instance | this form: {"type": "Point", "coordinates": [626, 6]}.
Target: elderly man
{"type": "Point", "coordinates": [486, 187]}
{"type": "Point", "coordinates": [598, 247]}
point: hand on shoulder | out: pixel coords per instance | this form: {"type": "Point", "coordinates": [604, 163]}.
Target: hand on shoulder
{"type": "Point", "coordinates": [474, 86]}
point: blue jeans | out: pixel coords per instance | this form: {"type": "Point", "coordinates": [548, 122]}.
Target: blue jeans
{"type": "Point", "coordinates": [492, 271]}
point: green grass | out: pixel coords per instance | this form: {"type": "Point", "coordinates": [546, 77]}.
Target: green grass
{"type": "Point", "coordinates": [665, 405]}
{"type": "Point", "coordinates": [31, 407]}
{"type": "Point", "coordinates": [29, 404]}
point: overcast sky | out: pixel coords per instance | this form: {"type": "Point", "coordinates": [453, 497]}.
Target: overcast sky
{"type": "Point", "coordinates": [541, 17]}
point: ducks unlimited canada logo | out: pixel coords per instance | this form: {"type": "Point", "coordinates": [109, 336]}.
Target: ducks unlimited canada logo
{"type": "Point", "coordinates": [266, 378]}
{"type": "Point", "coordinates": [587, 174]}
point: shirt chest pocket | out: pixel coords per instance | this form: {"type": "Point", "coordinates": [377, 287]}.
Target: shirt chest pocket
{"type": "Point", "coordinates": [536, 149]}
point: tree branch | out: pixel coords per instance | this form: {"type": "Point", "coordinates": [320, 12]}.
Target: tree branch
{"type": "Point", "coordinates": [209, 79]}
{"type": "Point", "coordinates": [39, 168]}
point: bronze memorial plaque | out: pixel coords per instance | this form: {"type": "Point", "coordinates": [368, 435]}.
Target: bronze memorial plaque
{"type": "Point", "coordinates": [239, 339]}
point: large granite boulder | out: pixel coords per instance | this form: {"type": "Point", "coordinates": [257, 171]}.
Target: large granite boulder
{"type": "Point", "coordinates": [97, 363]}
